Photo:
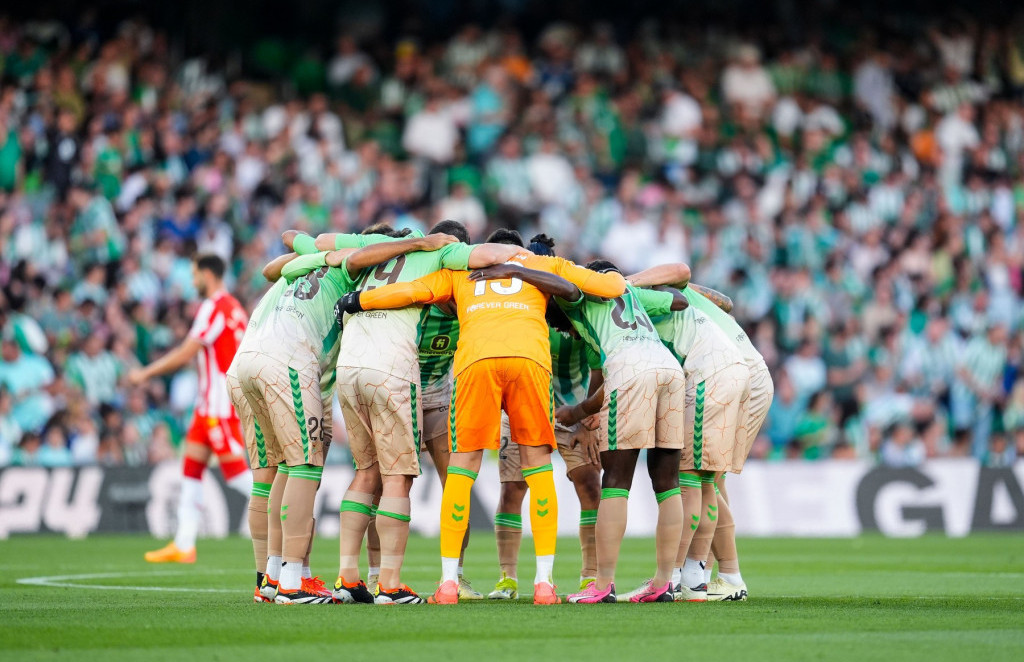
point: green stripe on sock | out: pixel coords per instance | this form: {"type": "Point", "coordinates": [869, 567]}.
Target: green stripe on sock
{"type": "Point", "coordinates": [261, 489]}
{"type": "Point", "coordinates": [588, 517]}
{"type": "Point", "coordinates": [717, 491]}
{"type": "Point", "coordinates": [306, 472]}
{"type": "Point", "coordinates": [282, 469]}
{"type": "Point", "coordinates": [661, 496]}
{"type": "Point", "coordinates": [398, 516]}
{"type": "Point", "coordinates": [508, 520]}
{"type": "Point", "coordinates": [462, 472]}
{"type": "Point", "coordinates": [707, 478]}
{"type": "Point", "coordinates": [613, 421]}
{"type": "Point", "coordinates": [373, 510]}
{"type": "Point", "coordinates": [689, 480]}
{"type": "Point", "coordinates": [698, 427]}
{"type": "Point", "coordinates": [354, 507]}
{"type": "Point", "coordinates": [613, 493]}
{"type": "Point", "coordinates": [300, 412]}
{"type": "Point", "coordinates": [536, 470]}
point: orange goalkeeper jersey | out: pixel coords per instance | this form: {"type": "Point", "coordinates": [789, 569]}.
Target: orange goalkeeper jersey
{"type": "Point", "coordinates": [497, 318]}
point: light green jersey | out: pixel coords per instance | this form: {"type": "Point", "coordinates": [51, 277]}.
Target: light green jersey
{"type": "Point", "coordinates": [438, 337]}
{"type": "Point", "coordinates": [389, 340]}
{"type": "Point", "coordinates": [621, 333]}
{"type": "Point", "coordinates": [726, 323]}
{"type": "Point", "coordinates": [700, 347]}
{"type": "Point", "coordinates": [303, 310]}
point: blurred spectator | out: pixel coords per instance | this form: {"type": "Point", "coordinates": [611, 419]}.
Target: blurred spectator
{"type": "Point", "coordinates": [856, 191]}
{"type": "Point", "coordinates": [901, 446]}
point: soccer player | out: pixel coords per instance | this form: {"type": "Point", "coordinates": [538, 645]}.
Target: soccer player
{"type": "Point", "coordinates": [571, 363]}
{"type": "Point", "coordinates": [378, 388]}
{"type": "Point", "coordinates": [214, 337]}
{"type": "Point", "coordinates": [294, 345]}
{"type": "Point", "coordinates": [503, 360]}
{"type": "Point", "coordinates": [729, 584]}
{"type": "Point", "coordinates": [717, 383]}
{"type": "Point", "coordinates": [643, 394]}
{"type": "Point", "coordinates": [439, 337]}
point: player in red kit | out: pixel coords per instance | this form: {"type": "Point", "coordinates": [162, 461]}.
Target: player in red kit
{"type": "Point", "coordinates": [214, 339]}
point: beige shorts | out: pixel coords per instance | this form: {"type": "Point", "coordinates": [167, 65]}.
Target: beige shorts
{"type": "Point", "coordinates": [436, 407]}
{"type": "Point", "coordinates": [753, 412]}
{"type": "Point", "coordinates": [285, 412]}
{"type": "Point", "coordinates": [260, 457]}
{"type": "Point", "coordinates": [648, 411]}
{"type": "Point", "coordinates": [382, 415]}
{"type": "Point", "coordinates": [510, 468]}
{"type": "Point", "coordinates": [713, 419]}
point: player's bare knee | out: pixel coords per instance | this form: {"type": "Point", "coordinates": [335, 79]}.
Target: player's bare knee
{"type": "Point", "coordinates": [618, 468]}
{"type": "Point", "coordinates": [663, 468]}
{"type": "Point", "coordinates": [587, 482]}
{"type": "Point", "coordinates": [366, 481]}
{"type": "Point", "coordinates": [512, 497]}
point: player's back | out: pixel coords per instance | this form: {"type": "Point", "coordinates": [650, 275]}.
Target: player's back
{"type": "Point", "coordinates": [622, 334]}
{"type": "Point", "coordinates": [697, 342]}
{"type": "Point", "coordinates": [388, 340]}
{"type": "Point", "coordinates": [726, 322]}
{"type": "Point", "coordinates": [219, 325]}
{"type": "Point", "coordinates": [499, 318]}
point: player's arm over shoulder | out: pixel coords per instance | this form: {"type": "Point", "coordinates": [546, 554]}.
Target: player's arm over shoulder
{"type": "Point", "coordinates": [607, 285]}
{"type": "Point", "coordinates": [432, 288]}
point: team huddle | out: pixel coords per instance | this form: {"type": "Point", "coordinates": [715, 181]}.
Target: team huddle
{"type": "Point", "coordinates": [439, 346]}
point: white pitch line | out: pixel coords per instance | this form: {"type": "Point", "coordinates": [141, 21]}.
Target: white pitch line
{"type": "Point", "coordinates": [62, 581]}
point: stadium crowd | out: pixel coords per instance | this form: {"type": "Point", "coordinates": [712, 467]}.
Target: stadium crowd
{"type": "Point", "coordinates": [858, 195]}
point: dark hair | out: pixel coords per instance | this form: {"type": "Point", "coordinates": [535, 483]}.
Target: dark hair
{"type": "Point", "coordinates": [506, 236]}
{"type": "Point", "coordinates": [541, 244]}
{"type": "Point", "coordinates": [603, 266]}
{"type": "Point", "coordinates": [212, 263]}
{"type": "Point", "coordinates": [557, 319]}
{"type": "Point", "coordinates": [387, 231]}
{"type": "Point", "coordinates": [454, 228]}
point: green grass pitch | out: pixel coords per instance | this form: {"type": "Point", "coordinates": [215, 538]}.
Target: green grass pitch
{"type": "Point", "coordinates": [862, 599]}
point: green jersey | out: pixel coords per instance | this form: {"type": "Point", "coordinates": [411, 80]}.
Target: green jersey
{"type": "Point", "coordinates": [299, 316]}
{"type": "Point", "coordinates": [700, 347]}
{"type": "Point", "coordinates": [726, 323]}
{"type": "Point", "coordinates": [621, 333]}
{"type": "Point", "coordinates": [389, 340]}
{"type": "Point", "coordinates": [439, 335]}
{"type": "Point", "coordinates": [571, 360]}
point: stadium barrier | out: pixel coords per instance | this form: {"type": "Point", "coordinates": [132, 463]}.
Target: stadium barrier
{"type": "Point", "coordinates": [954, 497]}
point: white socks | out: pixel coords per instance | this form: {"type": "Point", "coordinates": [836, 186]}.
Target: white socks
{"type": "Point", "coordinates": [291, 576]}
{"type": "Point", "coordinates": [274, 567]}
{"type": "Point", "coordinates": [734, 578]}
{"type": "Point", "coordinates": [375, 570]}
{"type": "Point", "coordinates": [692, 574]}
{"type": "Point", "coordinates": [190, 510]}
{"type": "Point", "coordinates": [460, 570]}
{"type": "Point", "coordinates": [242, 483]}
{"type": "Point", "coordinates": [545, 567]}
{"type": "Point", "coordinates": [306, 572]}
{"type": "Point", "coordinates": [449, 569]}
{"type": "Point", "coordinates": [707, 575]}
{"type": "Point", "coordinates": [677, 575]}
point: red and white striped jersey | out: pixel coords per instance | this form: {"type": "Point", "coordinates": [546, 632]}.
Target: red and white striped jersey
{"type": "Point", "coordinates": [219, 326]}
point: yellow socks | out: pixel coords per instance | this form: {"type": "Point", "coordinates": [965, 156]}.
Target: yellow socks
{"type": "Point", "coordinates": [543, 508]}
{"type": "Point", "coordinates": [455, 512]}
